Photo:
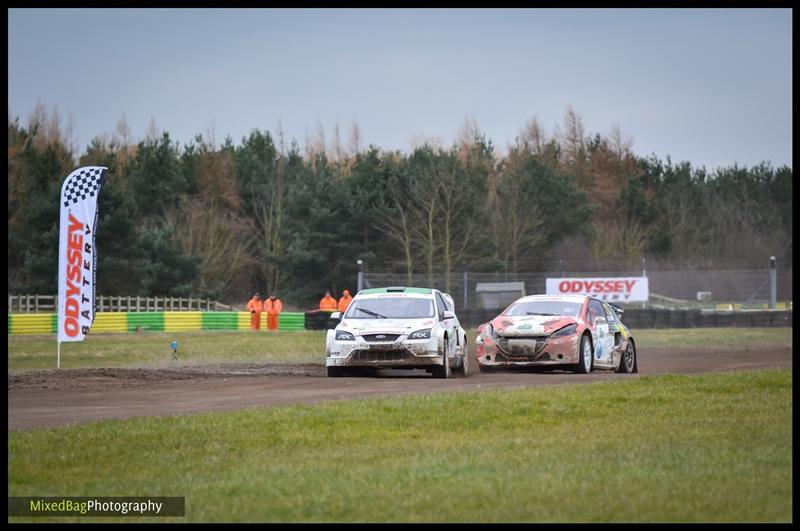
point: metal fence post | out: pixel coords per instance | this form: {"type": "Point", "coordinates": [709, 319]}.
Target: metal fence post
{"type": "Point", "coordinates": [644, 274]}
{"type": "Point", "coordinates": [465, 290]}
{"type": "Point", "coordinates": [360, 280]}
{"type": "Point", "coordinates": [773, 284]}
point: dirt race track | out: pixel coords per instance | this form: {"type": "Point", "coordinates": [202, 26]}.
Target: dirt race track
{"type": "Point", "coordinates": [54, 398]}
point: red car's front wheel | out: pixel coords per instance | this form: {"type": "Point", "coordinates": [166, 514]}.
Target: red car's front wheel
{"type": "Point", "coordinates": [585, 357]}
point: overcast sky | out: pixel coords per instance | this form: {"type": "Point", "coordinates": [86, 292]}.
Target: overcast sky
{"type": "Point", "coordinates": [710, 86]}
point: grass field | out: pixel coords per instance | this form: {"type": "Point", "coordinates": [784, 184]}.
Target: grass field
{"type": "Point", "coordinates": [710, 448]}
{"type": "Point", "coordinates": [721, 338]}
{"type": "Point", "coordinates": [153, 349]}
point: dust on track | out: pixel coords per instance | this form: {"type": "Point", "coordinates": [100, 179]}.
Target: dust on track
{"type": "Point", "coordinates": [57, 397]}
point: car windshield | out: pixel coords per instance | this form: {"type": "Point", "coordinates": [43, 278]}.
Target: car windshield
{"type": "Point", "coordinates": [390, 308]}
{"type": "Point", "coordinates": [544, 307]}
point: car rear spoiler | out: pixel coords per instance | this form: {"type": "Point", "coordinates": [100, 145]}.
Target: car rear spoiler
{"type": "Point", "coordinates": [616, 308]}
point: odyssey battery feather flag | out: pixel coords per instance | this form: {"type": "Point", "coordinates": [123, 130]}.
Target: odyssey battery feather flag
{"type": "Point", "coordinates": [77, 254]}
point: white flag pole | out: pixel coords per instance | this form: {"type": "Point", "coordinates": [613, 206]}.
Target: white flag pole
{"type": "Point", "coordinates": [58, 360]}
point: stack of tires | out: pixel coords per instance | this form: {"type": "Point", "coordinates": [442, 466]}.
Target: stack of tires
{"type": "Point", "coordinates": [319, 320]}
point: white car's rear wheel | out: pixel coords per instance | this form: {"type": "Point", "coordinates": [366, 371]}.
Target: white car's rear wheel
{"type": "Point", "coordinates": [465, 364]}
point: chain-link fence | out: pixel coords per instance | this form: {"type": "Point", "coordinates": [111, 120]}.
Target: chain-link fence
{"type": "Point", "coordinates": [744, 285]}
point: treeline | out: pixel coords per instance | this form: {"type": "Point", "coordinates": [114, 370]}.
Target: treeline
{"type": "Point", "coordinates": [220, 221]}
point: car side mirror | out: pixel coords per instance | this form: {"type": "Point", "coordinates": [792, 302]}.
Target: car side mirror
{"type": "Point", "coordinates": [448, 315]}
{"type": "Point", "coordinates": [599, 319]}
{"type": "Point", "coordinates": [336, 315]}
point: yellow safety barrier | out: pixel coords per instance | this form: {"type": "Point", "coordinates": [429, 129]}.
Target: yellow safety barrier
{"type": "Point", "coordinates": [32, 323]}
{"type": "Point", "coordinates": [183, 321]}
{"type": "Point", "coordinates": [106, 322]}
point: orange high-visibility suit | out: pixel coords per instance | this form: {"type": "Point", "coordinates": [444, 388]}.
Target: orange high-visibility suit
{"type": "Point", "coordinates": [273, 307]}
{"type": "Point", "coordinates": [328, 303]}
{"type": "Point", "coordinates": [344, 302]}
{"type": "Point", "coordinates": [254, 307]}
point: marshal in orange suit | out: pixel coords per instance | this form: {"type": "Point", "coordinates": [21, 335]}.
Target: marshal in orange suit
{"type": "Point", "coordinates": [273, 307]}
{"type": "Point", "coordinates": [344, 301]}
{"type": "Point", "coordinates": [328, 303]}
{"type": "Point", "coordinates": [254, 307]}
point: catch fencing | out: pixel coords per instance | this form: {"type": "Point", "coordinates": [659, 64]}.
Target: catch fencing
{"type": "Point", "coordinates": [742, 285]}
{"type": "Point", "coordinates": [118, 303]}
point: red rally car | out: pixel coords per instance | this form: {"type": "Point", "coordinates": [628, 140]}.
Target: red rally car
{"type": "Point", "coordinates": [581, 332]}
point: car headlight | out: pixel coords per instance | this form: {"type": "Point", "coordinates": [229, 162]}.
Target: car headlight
{"type": "Point", "coordinates": [566, 331]}
{"type": "Point", "coordinates": [488, 330]}
{"type": "Point", "coordinates": [420, 334]}
{"type": "Point", "coordinates": [341, 335]}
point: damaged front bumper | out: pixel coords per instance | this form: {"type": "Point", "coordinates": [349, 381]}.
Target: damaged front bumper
{"type": "Point", "coordinates": [402, 354]}
{"type": "Point", "coordinates": [527, 351]}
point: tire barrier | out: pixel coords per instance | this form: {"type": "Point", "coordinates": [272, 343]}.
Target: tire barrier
{"type": "Point", "coordinates": [118, 322]}
{"type": "Point", "coordinates": [319, 320]}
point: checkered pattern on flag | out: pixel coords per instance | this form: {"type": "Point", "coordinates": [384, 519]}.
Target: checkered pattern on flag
{"type": "Point", "coordinates": [77, 254]}
{"type": "Point", "coordinates": [81, 184]}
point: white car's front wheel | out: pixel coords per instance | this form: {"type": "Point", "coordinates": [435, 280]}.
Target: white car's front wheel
{"type": "Point", "coordinates": [443, 371]}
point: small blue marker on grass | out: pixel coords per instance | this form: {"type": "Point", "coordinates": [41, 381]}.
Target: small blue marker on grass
{"type": "Point", "coordinates": [174, 346]}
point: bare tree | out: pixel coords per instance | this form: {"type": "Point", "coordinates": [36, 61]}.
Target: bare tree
{"type": "Point", "coordinates": [122, 132]}
{"type": "Point", "coordinates": [532, 138]}
{"type": "Point", "coordinates": [208, 225]}
{"type": "Point", "coordinates": [620, 146]}
{"type": "Point", "coordinates": [337, 143]}
{"type": "Point", "coordinates": [465, 139]}
{"type": "Point", "coordinates": [46, 126]}
{"type": "Point", "coordinates": [216, 237]}
{"type": "Point", "coordinates": [122, 140]}
{"type": "Point", "coordinates": [420, 141]}
{"type": "Point", "coordinates": [515, 217]}
{"type": "Point", "coordinates": [308, 146]}
{"type": "Point", "coordinates": [152, 129]}
{"type": "Point", "coordinates": [355, 139]}
{"type": "Point", "coordinates": [396, 226]}
{"type": "Point", "coordinates": [574, 147]}
{"type": "Point", "coordinates": [456, 226]}
{"type": "Point", "coordinates": [69, 136]}
{"type": "Point", "coordinates": [319, 141]}
{"type": "Point", "coordinates": [211, 134]}
{"type": "Point", "coordinates": [269, 218]}
{"type": "Point", "coordinates": [281, 137]}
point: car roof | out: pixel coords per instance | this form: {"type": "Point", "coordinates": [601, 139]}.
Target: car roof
{"type": "Point", "coordinates": [399, 290]}
{"type": "Point", "coordinates": [566, 298]}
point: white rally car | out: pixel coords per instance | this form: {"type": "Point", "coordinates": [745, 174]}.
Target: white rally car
{"type": "Point", "coordinates": [398, 328]}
